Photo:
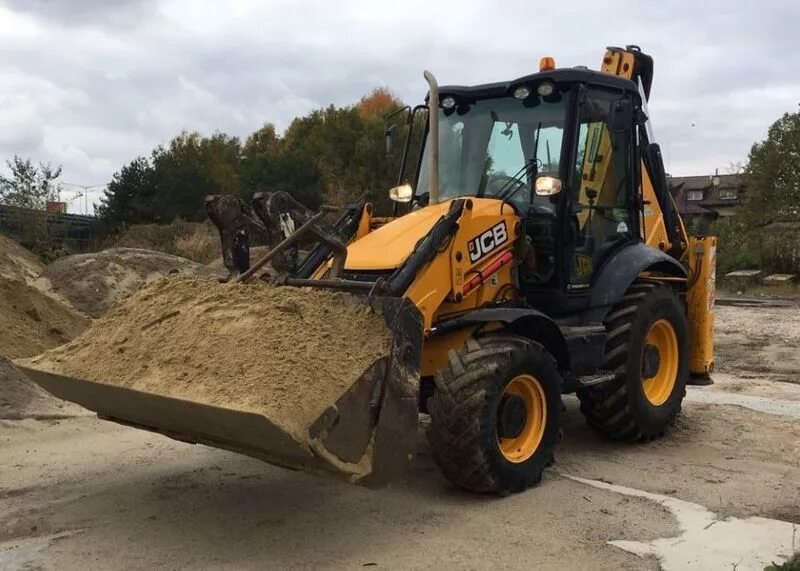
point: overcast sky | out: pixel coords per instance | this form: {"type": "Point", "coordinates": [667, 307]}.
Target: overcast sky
{"type": "Point", "coordinates": [92, 84]}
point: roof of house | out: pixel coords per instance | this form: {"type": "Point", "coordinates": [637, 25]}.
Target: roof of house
{"type": "Point", "coordinates": [711, 201]}
{"type": "Point", "coordinates": [694, 208]}
{"type": "Point", "coordinates": [700, 182]}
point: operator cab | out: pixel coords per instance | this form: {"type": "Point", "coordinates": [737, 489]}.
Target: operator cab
{"type": "Point", "coordinates": [558, 147]}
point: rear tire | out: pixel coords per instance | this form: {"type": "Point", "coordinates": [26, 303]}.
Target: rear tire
{"type": "Point", "coordinates": [495, 414]}
{"type": "Point", "coordinates": [648, 350]}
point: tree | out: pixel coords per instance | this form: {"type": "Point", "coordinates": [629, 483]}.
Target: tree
{"type": "Point", "coordinates": [174, 180]}
{"type": "Point", "coordinates": [29, 186]}
{"type": "Point", "coordinates": [770, 213]}
{"type": "Point", "coordinates": [773, 175]}
{"type": "Point", "coordinates": [129, 197]}
{"type": "Point", "coordinates": [191, 168]}
{"type": "Point", "coordinates": [269, 164]}
{"type": "Point", "coordinates": [334, 155]}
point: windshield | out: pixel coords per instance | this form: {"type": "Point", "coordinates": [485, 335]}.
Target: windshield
{"type": "Point", "coordinates": [494, 147]}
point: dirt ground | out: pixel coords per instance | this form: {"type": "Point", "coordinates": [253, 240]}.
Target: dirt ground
{"type": "Point", "coordinates": [76, 492]}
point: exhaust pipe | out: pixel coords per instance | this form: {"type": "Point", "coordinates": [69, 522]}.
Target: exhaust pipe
{"type": "Point", "coordinates": [433, 123]}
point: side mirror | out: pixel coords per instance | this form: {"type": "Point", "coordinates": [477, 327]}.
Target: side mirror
{"type": "Point", "coordinates": [402, 193]}
{"type": "Point", "coordinates": [391, 138]}
{"type": "Point", "coordinates": [621, 117]}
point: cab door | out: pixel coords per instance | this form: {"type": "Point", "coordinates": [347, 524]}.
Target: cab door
{"type": "Point", "coordinates": [601, 204]}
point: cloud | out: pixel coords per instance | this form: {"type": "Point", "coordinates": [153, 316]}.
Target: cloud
{"type": "Point", "coordinates": [81, 13]}
{"type": "Point", "coordinates": [93, 84]}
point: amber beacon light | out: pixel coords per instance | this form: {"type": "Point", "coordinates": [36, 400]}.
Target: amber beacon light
{"type": "Point", "coordinates": [547, 63]}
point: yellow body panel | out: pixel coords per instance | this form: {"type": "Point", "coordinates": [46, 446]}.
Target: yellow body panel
{"type": "Point", "coordinates": [435, 350]}
{"type": "Point", "coordinates": [498, 287]}
{"type": "Point", "coordinates": [442, 281]}
{"type": "Point", "coordinates": [387, 247]}
{"type": "Point", "coordinates": [700, 299]}
{"type": "Point", "coordinates": [654, 233]}
{"type": "Point", "coordinates": [438, 289]}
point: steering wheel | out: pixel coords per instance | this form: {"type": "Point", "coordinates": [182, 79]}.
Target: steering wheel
{"type": "Point", "coordinates": [508, 184]}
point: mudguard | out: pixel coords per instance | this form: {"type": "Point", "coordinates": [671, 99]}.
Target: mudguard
{"type": "Point", "coordinates": [622, 269]}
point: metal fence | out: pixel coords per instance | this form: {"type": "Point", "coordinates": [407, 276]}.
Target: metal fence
{"type": "Point", "coordinates": [40, 229]}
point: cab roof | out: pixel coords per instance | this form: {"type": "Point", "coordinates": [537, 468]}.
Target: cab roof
{"type": "Point", "coordinates": [557, 76]}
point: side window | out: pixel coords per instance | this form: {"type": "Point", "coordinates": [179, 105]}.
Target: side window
{"type": "Point", "coordinates": [602, 198]}
{"type": "Point", "coordinates": [451, 147]}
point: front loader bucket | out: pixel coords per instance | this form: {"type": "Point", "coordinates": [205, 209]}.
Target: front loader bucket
{"type": "Point", "coordinates": [366, 433]}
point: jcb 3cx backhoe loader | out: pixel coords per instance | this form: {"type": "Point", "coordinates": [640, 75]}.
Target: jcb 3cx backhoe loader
{"type": "Point", "coordinates": [540, 253]}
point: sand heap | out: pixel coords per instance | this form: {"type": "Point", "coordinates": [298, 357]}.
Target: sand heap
{"type": "Point", "coordinates": [94, 282]}
{"type": "Point", "coordinates": [17, 263]}
{"type": "Point", "coordinates": [287, 353]}
{"type": "Point", "coordinates": [31, 322]}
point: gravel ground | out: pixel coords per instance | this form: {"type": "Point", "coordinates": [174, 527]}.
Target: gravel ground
{"type": "Point", "coordinates": [78, 492]}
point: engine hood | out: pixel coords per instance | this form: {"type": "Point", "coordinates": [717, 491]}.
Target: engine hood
{"type": "Point", "coordinates": [388, 247]}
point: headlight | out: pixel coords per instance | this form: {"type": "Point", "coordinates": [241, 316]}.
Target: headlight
{"type": "Point", "coordinates": [402, 193]}
{"type": "Point", "coordinates": [548, 185]}
{"type": "Point", "coordinates": [522, 92]}
{"type": "Point", "coordinates": [544, 89]}
{"type": "Point", "coordinates": [448, 103]}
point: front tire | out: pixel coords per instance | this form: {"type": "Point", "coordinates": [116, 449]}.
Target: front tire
{"type": "Point", "coordinates": [495, 414]}
{"type": "Point", "coordinates": [648, 350]}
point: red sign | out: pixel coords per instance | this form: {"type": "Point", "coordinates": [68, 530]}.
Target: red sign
{"type": "Point", "coordinates": [53, 206]}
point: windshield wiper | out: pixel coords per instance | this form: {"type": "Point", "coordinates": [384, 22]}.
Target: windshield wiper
{"type": "Point", "coordinates": [507, 191]}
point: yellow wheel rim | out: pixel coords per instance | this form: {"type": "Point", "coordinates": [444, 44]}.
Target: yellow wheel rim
{"type": "Point", "coordinates": [524, 445]}
{"type": "Point", "coordinates": [659, 386]}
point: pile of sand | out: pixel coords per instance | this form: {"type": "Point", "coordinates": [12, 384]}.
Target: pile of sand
{"type": "Point", "coordinates": [94, 282]}
{"type": "Point", "coordinates": [17, 263]}
{"type": "Point", "coordinates": [287, 353]}
{"type": "Point", "coordinates": [31, 322]}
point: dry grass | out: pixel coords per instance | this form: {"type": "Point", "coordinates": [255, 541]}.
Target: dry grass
{"type": "Point", "coordinates": [200, 246]}
{"type": "Point", "coordinates": [197, 241]}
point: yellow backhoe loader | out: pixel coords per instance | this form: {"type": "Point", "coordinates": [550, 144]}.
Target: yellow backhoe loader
{"type": "Point", "coordinates": [534, 251]}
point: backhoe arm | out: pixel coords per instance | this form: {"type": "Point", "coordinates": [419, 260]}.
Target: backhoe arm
{"type": "Point", "coordinates": [663, 227]}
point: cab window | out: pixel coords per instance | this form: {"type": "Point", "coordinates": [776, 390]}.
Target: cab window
{"type": "Point", "coordinates": [601, 198]}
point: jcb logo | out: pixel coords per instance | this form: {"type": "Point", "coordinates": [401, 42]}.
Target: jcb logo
{"type": "Point", "coordinates": [490, 240]}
